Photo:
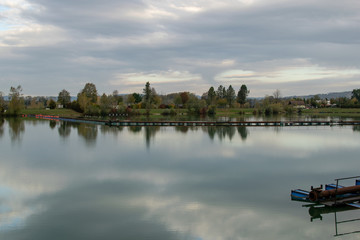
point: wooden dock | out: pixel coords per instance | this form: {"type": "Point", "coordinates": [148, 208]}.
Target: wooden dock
{"type": "Point", "coordinates": [231, 123]}
{"type": "Point", "coordinates": [198, 123]}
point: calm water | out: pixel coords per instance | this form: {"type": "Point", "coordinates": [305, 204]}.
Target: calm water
{"type": "Point", "coordinates": [77, 181]}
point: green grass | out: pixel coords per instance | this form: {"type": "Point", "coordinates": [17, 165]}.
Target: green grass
{"type": "Point", "coordinates": [332, 112]}
{"type": "Point", "coordinates": [156, 114]}
{"type": "Point", "coordinates": [55, 112]}
{"type": "Point", "coordinates": [234, 112]}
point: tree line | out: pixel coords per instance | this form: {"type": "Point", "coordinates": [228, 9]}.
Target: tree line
{"type": "Point", "coordinates": [89, 102]}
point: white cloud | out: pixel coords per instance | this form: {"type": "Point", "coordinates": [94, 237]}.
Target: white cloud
{"type": "Point", "coordinates": [32, 35]}
{"type": "Point", "coordinates": [170, 76]}
{"type": "Point", "coordinates": [257, 42]}
{"type": "Point", "coordinates": [95, 61]}
{"type": "Point", "coordinates": [288, 74]}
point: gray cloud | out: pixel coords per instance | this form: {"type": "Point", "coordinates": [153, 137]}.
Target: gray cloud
{"type": "Point", "coordinates": [64, 44]}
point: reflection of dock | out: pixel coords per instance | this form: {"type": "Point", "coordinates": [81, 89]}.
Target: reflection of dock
{"type": "Point", "coordinates": [199, 123]}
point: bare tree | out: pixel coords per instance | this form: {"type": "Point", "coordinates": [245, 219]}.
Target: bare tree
{"type": "Point", "coordinates": [277, 95]}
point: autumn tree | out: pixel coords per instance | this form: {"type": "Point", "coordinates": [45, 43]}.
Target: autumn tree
{"type": "Point", "coordinates": [130, 99]}
{"type": "Point", "coordinates": [2, 103]}
{"type": "Point", "coordinates": [87, 98]}
{"type": "Point", "coordinates": [16, 103]}
{"type": "Point", "coordinates": [155, 99]}
{"type": "Point", "coordinates": [64, 98]}
{"type": "Point", "coordinates": [83, 101]}
{"type": "Point", "coordinates": [90, 92]}
{"type": "Point", "coordinates": [356, 94]}
{"type": "Point", "coordinates": [105, 104]}
{"type": "Point", "coordinates": [184, 96]}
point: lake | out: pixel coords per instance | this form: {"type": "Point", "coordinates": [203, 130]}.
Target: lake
{"type": "Point", "coordinates": [61, 180]}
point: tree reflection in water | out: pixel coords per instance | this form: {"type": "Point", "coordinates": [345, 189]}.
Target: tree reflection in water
{"type": "Point", "coordinates": [356, 128]}
{"type": "Point", "coordinates": [2, 121]}
{"type": "Point", "coordinates": [89, 132]}
{"type": "Point", "coordinates": [64, 129]}
{"type": "Point", "coordinates": [243, 132]}
{"type": "Point", "coordinates": [150, 133]}
{"type": "Point", "coordinates": [52, 124]}
{"type": "Point", "coordinates": [223, 132]}
{"type": "Point", "coordinates": [17, 128]}
{"type": "Point", "coordinates": [111, 130]}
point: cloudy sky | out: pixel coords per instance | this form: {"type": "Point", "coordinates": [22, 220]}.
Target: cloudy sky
{"type": "Point", "coordinates": [299, 47]}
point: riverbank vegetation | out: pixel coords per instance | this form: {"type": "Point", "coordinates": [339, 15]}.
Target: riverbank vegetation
{"type": "Point", "coordinates": [219, 102]}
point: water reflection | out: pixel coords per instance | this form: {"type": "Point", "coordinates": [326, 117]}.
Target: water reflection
{"type": "Point", "coordinates": [89, 132]}
{"type": "Point", "coordinates": [16, 130]}
{"type": "Point", "coordinates": [98, 210]}
{"type": "Point", "coordinates": [135, 129]}
{"type": "Point", "coordinates": [198, 189]}
{"type": "Point", "coordinates": [182, 129]}
{"type": "Point", "coordinates": [64, 129]}
{"type": "Point", "coordinates": [105, 130]}
{"type": "Point", "coordinates": [317, 212]}
{"type": "Point", "coordinates": [52, 124]}
{"type": "Point", "coordinates": [243, 132]}
{"type": "Point", "coordinates": [150, 133]}
{"type": "Point", "coordinates": [2, 121]}
{"type": "Point", "coordinates": [356, 128]}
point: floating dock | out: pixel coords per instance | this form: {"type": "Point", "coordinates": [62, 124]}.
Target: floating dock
{"type": "Point", "coordinates": [198, 123]}
{"type": "Point", "coordinates": [332, 195]}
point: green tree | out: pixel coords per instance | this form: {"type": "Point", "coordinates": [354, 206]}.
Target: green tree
{"type": "Point", "coordinates": [242, 94]}
{"type": "Point", "coordinates": [137, 97]}
{"type": "Point", "coordinates": [147, 93]}
{"type": "Point", "coordinates": [211, 96]}
{"type": "Point", "coordinates": [220, 92]}
{"type": "Point", "coordinates": [195, 105]}
{"type": "Point", "coordinates": [2, 103]}
{"type": "Point", "coordinates": [51, 104]}
{"type": "Point", "coordinates": [90, 92]}
{"type": "Point", "coordinates": [356, 94]}
{"type": "Point", "coordinates": [230, 95]}
{"type": "Point", "coordinates": [64, 98]}
{"type": "Point", "coordinates": [16, 103]}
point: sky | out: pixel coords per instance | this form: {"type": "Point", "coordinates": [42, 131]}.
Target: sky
{"type": "Point", "coordinates": [299, 47]}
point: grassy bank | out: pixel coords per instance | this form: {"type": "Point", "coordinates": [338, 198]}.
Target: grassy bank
{"type": "Point", "coordinates": [332, 112]}
{"type": "Point", "coordinates": [56, 112]}
{"type": "Point", "coordinates": [157, 114]}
